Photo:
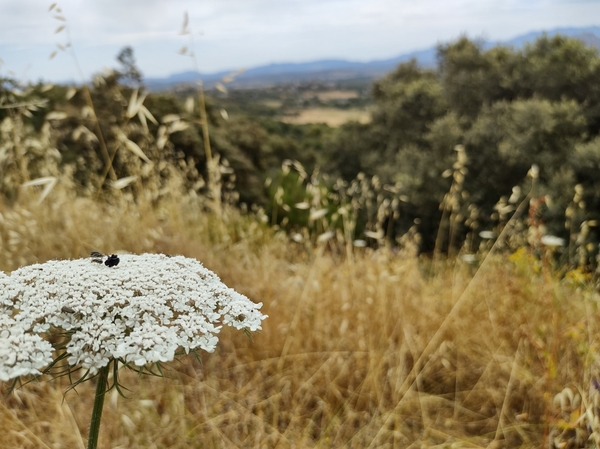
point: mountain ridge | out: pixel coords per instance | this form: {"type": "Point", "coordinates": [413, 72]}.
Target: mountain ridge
{"type": "Point", "coordinates": [342, 69]}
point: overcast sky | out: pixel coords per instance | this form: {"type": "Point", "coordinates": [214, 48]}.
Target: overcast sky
{"type": "Point", "coordinates": [233, 34]}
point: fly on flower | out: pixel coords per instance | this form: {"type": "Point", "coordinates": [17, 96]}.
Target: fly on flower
{"type": "Point", "coordinates": [112, 261]}
{"type": "Point", "coordinates": [96, 256]}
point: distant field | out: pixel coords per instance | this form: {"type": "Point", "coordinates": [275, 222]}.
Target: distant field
{"type": "Point", "coordinates": [331, 116]}
{"type": "Point", "coordinates": [275, 104]}
{"type": "Point", "coordinates": [332, 95]}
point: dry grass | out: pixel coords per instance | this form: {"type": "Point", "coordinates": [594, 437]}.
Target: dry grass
{"type": "Point", "coordinates": [331, 116]}
{"type": "Point", "coordinates": [380, 351]}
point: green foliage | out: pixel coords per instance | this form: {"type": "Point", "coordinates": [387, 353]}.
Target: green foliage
{"type": "Point", "coordinates": [558, 67]}
{"type": "Point", "coordinates": [471, 77]}
{"type": "Point", "coordinates": [506, 139]}
{"type": "Point", "coordinates": [408, 100]}
{"type": "Point", "coordinates": [509, 108]}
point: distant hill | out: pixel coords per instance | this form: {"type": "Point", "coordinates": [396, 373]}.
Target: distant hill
{"type": "Point", "coordinates": [578, 33]}
{"type": "Point", "coordinates": [340, 69]}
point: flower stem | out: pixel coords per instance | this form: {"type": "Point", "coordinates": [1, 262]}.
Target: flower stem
{"type": "Point", "coordinates": [98, 405]}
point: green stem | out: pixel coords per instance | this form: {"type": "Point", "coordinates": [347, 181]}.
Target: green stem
{"type": "Point", "coordinates": [98, 405]}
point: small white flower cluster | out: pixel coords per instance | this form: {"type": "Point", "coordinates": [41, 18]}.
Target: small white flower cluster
{"type": "Point", "coordinates": [21, 352]}
{"type": "Point", "coordinates": [140, 311]}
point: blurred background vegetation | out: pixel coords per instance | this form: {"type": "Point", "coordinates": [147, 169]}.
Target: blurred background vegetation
{"type": "Point", "coordinates": [504, 109]}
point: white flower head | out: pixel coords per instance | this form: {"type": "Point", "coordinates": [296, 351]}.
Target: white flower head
{"type": "Point", "coordinates": [141, 310]}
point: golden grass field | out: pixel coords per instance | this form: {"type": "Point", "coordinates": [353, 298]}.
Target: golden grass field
{"type": "Point", "coordinates": [377, 350]}
{"type": "Point", "coordinates": [331, 116]}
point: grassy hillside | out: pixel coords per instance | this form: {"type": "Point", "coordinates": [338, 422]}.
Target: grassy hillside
{"type": "Point", "coordinates": [382, 349]}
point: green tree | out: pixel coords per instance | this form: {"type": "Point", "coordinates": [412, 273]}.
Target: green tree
{"type": "Point", "coordinates": [407, 101]}
{"type": "Point", "coordinates": [129, 72]}
{"type": "Point", "coordinates": [474, 78]}
{"type": "Point", "coordinates": [560, 67]}
{"type": "Point", "coordinates": [509, 137]}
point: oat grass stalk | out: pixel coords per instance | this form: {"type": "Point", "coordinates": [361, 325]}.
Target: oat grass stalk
{"type": "Point", "coordinates": [59, 15]}
{"type": "Point", "coordinates": [108, 168]}
{"type": "Point", "coordinates": [20, 151]}
{"type": "Point", "coordinates": [508, 395]}
{"type": "Point", "coordinates": [211, 163]}
{"type": "Point", "coordinates": [451, 205]}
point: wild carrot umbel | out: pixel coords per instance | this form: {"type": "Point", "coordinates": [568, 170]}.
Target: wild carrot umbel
{"type": "Point", "coordinates": [135, 310]}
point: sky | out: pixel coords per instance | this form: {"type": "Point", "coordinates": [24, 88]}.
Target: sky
{"type": "Point", "coordinates": [237, 34]}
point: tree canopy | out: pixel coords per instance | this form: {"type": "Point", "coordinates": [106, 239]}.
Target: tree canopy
{"type": "Point", "coordinates": [508, 108]}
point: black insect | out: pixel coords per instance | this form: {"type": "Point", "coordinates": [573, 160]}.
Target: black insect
{"type": "Point", "coordinates": [112, 261]}
{"type": "Point", "coordinates": [67, 309]}
{"type": "Point", "coordinates": [96, 257]}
